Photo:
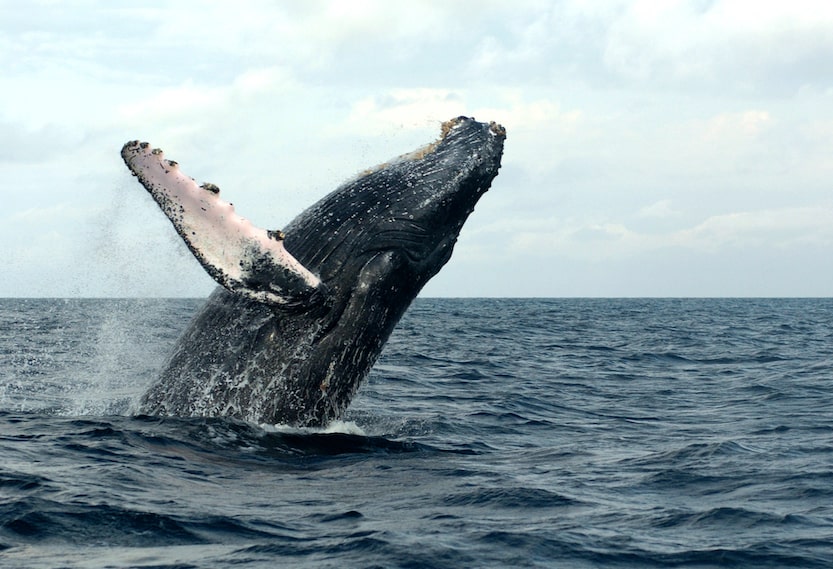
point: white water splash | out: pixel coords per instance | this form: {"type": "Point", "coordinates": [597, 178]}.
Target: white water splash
{"type": "Point", "coordinates": [336, 427]}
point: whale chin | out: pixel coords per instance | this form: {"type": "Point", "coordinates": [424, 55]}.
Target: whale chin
{"type": "Point", "coordinates": [303, 313]}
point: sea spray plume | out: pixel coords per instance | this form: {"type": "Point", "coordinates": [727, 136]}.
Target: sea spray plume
{"type": "Point", "coordinates": [303, 314]}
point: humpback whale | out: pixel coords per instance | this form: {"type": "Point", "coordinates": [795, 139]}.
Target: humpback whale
{"type": "Point", "coordinates": [302, 314]}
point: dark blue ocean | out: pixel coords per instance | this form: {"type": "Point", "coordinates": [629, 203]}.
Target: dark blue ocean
{"type": "Point", "coordinates": [491, 433]}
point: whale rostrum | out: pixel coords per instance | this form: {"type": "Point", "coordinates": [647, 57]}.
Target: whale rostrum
{"type": "Point", "coordinates": [303, 313]}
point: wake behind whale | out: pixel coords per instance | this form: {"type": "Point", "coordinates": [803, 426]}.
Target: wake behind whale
{"type": "Point", "coordinates": [303, 314]}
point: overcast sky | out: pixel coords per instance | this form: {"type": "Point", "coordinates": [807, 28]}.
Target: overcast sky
{"type": "Point", "coordinates": [654, 148]}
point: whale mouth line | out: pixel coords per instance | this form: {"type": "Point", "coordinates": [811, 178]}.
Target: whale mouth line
{"type": "Point", "coordinates": [412, 225]}
{"type": "Point", "coordinates": [411, 241]}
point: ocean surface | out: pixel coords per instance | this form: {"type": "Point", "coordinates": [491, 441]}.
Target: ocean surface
{"type": "Point", "coordinates": [491, 433]}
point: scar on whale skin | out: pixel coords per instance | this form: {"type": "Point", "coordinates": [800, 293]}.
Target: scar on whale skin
{"type": "Point", "coordinates": [240, 256]}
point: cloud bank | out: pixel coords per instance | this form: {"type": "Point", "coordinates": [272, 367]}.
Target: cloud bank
{"type": "Point", "coordinates": [676, 148]}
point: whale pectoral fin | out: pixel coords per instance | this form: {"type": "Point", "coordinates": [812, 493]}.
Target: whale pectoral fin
{"type": "Point", "coordinates": [241, 257]}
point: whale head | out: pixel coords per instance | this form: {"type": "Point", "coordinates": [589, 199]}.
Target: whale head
{"type": "Point", "coordinates": [396, 225]}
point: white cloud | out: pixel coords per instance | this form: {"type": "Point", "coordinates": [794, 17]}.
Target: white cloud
{"type": "Point", "coordinates": [181, 100]}
{"type": "Point", "coordinates": [599, 240]}
{"type": "Point", "coordinates": [747, 124]}
{"type": "Point", "coordinates": [661, 209]}
{"type": "Point", "coordinates": [634, 128]}
{"type": "Point", "coordinates": [777, 228]}
{"type": "Point", "coordinates": [728, 41]}
{"type": "Point", "coordinates": [404, 108]}
{"type": "Point", "coordinates": [541, 114]}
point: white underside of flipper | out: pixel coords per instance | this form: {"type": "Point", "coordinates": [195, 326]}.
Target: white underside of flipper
{"type": "Point", "coordinates": [241, 257]}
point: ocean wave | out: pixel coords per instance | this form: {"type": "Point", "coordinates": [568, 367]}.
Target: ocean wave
{"type": "Point", "coordinates": [517, 433]}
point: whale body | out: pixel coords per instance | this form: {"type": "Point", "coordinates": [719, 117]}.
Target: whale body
{"type": "Point", "coordinates": [302, 314]}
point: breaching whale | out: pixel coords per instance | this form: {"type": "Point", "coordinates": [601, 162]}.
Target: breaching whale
{"type": "Point", "coordinates": [303, 314]}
